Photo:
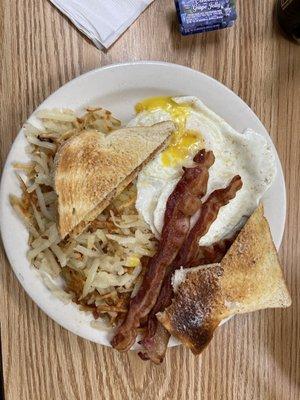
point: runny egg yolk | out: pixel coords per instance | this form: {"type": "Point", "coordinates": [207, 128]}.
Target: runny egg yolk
{"type": "Point", "coordinates": [183, 141]}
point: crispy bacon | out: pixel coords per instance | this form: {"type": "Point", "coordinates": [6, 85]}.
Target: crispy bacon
{"type": "Point", "coordinates": [156, 339]}
{"type": "Point", "coordinates": [209, 213]}
{"type": "Point", "coordinates": [188, 191]}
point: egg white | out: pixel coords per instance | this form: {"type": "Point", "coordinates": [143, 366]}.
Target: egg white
{"type": "Point", "coordinates": [248, 155]}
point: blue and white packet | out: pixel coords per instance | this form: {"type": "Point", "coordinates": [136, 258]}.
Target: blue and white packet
{"type": "Point", "coordinates": [197, 16]}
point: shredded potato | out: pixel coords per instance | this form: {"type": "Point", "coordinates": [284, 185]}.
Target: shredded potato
{"type": "Point", "coordinates": [102, 267]}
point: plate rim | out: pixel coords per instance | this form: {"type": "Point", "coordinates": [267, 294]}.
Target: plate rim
{"type": "Point", "coordinates": [164, 64]}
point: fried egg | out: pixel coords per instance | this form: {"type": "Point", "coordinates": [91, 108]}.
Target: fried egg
{"type": "Point", "coordinates": [248, 155]}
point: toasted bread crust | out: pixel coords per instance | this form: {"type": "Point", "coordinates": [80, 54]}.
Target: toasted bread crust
{"type": "Point", "coordinates": [194, 306]}
{"type": "Point", "coordinates": [249, 278]}
{"type": "Point", "coordinates": [253, 278]}
{"type": "Point", "coordinates": [91, 169]}
{"type": "Point", "coordinates": [114, 193]}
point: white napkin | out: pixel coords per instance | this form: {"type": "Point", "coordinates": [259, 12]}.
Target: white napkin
{"type": "Point", "coordinates": [103, 21]}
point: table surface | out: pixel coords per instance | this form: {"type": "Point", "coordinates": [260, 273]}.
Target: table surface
{"type": "Point", "coordinates": [255, 356]}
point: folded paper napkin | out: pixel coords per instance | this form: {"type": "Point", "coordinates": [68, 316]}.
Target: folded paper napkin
{"type": "Point", "coordinates": [103, 21]}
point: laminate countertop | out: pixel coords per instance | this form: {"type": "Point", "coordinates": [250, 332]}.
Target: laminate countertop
{"type": "Point", "coordinates": [252, 357]}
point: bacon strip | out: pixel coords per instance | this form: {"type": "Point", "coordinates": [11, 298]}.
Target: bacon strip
{"type": "Point", "coordinates": [181, 205]}
{"type": "Point", "coordinates": [156, 338]}
{"type": "Point", "coordinates": [209, 214]}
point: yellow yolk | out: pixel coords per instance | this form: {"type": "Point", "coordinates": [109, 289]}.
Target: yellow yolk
{"type": "Point", "coordinates": [183, 140]}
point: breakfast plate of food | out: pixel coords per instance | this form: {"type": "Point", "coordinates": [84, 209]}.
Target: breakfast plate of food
{"type": "Point", "coordinates": [142, 205]}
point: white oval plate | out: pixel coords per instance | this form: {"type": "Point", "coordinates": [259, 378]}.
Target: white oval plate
{"type": "Point", "coordinates": [118, 88]}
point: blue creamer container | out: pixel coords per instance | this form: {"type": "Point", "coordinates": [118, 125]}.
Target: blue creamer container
{"type": "Point", "coordinates": [205, 15]}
